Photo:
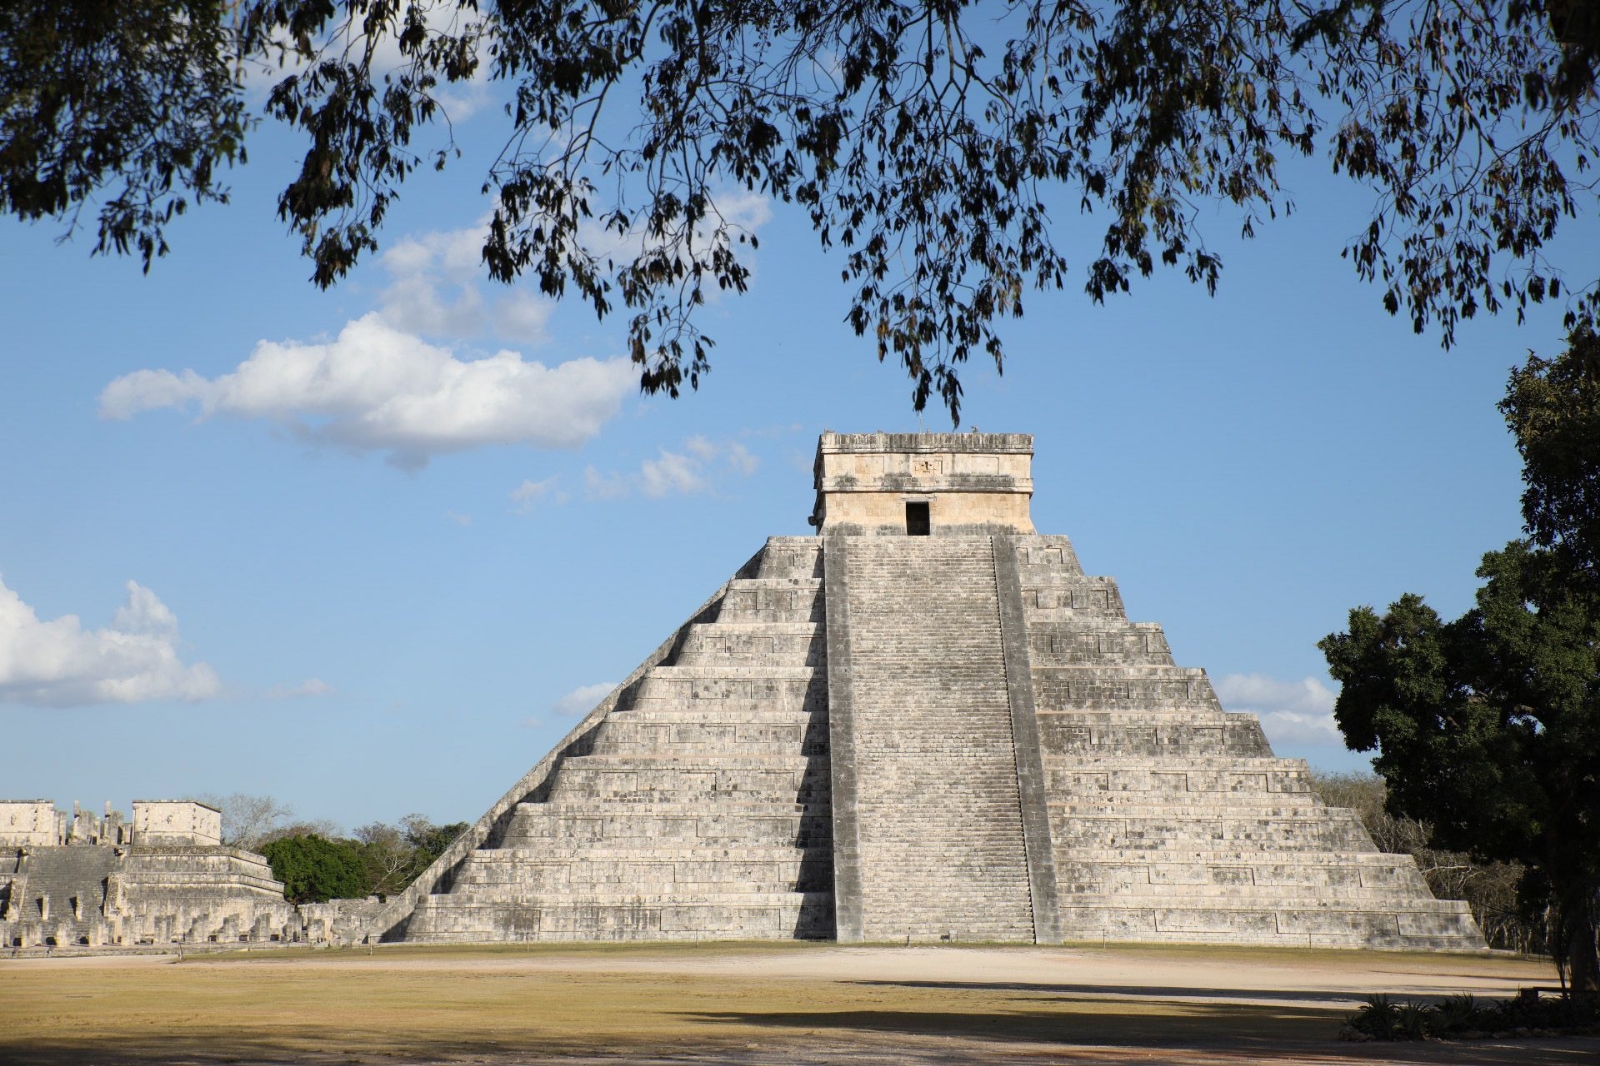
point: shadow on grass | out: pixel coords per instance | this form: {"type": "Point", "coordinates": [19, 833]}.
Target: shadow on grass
{"type": "Point", "coordinates": [1186, 1026]}
{"type": "Point", "coordinates": [1078, 1032]}
{"type": "Point", "coordinates": [1141, 992]}
{"type": "Point", "coordinates": [1195, 1033]}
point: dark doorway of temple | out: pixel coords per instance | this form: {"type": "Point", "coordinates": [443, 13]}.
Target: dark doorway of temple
{"type": "Point", "coordinates": [917, 519]}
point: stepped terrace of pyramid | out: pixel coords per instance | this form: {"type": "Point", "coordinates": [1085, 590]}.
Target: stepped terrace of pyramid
{"type": "Point", "coordinates": [925, 722]}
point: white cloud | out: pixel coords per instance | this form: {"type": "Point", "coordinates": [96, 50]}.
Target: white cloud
{"type": "Point", "coordinates": [375, 388]}
{"type": "Point", "coordinates": [580, 701]}
{"type": "Point", "coordinates": [133, 660]}
{"type": "Point", "coordinates": [670, 473]}
{"type": "Point", "coordinates": [438, 290]}
{"type": "Point", "coordinates": [530, 492]}
{"type": "Point", "coordinates": [1291, 712]}
{"type": "Point", "coordinates": [740, 459]}
{"type": "Point", "coordinates": [309, 688]}
{"type": "Point", "coordinates": [691, 470]}
{"type": "Point", "coordinates": [459, 100]}
{"type": "Point", "coordinates": [600, 486]}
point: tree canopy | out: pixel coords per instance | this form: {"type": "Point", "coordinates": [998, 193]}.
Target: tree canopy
{"type": "Point", "coordinates": [314, 869]}
{"type": "Point", "coordinates": [935, 143]}
{"type": "Point", "coordinates": [316, 864]}
{"type": "Point", "coordinates": [1488, 726]}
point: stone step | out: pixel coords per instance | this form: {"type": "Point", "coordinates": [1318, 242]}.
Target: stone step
{"type": "Point", "coordinates": [814, 701]}
{"type": "Point", "coordinates": [643, 877]}
{"type": "Point", "coordinates": [668, 851]}
{"type": "Point", "coordinates": [704, 739]}
{"type": "Point", "coordinates": [791, 557]}
{"type": "Point", "coordinates": [1233, 856]}
{"type": "Point", "coordinates": [1075, 887]}
{"type": "Point", "coordinates": [788, 763]}
{"type": "Point", "coordinates": [775, 683]}
{"type": "Point", "coordinates": [690, 713]}
{"type": "Point", "coordinates": [1386, 925]}
{"type": "Point", "coordinates": [1267, 835]}
{"type": "Point", "coordinates": [1063, 597]}
{"type": "Point", "coordinates": [1098, 642]}
{"type": "Point", "coordinates": [646, 824]}
{"type": "Point", "coordinates": [1304, 909]}
{"type": "Point", "coordinates": [756, 643]}
{"type": "Point", "coordinates": [621, 917]}
{"type": "Point", "coordinates": [1186, 734]}
{"type": "Point", "coordinates": [1115, 689]}
{"type": "Point", "coordinates": [1258, 870]}
{"type": "Point", "coordinates": [772, 600]}
{"type": "Point", "coordinates": [1198, 806]}
{"type": "Point", "coordinates": [606, 794]}
{"type": "Point", "coordinates": [1193, 765]}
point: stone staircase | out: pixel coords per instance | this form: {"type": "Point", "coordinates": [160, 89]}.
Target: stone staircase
{"type": "Point", "coordinates": [699, 807]}
{"type": "Point", "coordinates": [60, 892]}
{"type": "Point", "coordinates": [937, 822]}
{"type": "Point", "coordinates": [1171, 820]}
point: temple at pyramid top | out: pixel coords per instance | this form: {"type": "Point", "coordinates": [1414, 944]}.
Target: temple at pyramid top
{"type": "Point", "coordinates": [922, 484]}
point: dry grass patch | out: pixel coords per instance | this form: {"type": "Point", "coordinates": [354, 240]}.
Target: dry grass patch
{"type": "Point", "coordinates": [514, 1003]}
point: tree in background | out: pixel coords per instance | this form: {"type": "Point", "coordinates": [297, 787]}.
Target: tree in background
{"type": "Point", "coordinates": [395, 855]}
{"type": "Point", "coordinates": [314, 869]}
{"type": "Point", "coordinates": [248, 821]}
{"type": "Point", "coordinates": [429, 840]}
{"type": "Point", "coordinates": [1489, 888]}
{"type": "Point", "coordinates": [929, 141]}
{"type": "Point", "coordinates": [1488, 727]}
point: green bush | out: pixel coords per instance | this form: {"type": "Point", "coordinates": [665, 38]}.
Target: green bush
{"type": "Point", "coordinates": [315, 870]}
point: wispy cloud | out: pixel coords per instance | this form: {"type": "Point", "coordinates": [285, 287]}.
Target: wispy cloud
{"type": "Point", "coordinates": [529, 493]}
{"type": "Point", "coordinates": [1291, 712]}
{"type": "Point", "coordinates": [583, 699]}
{"type": "Point", "coordinates": [694, 468]}
{"type": "Point", "coordinates": [376, 388]}
{"type": "Point", "coordinates": [307, 689]}
{"type": "Point", "coordinates": [575, 704]}
{"type": "Point", "coordinates": [135, 659]}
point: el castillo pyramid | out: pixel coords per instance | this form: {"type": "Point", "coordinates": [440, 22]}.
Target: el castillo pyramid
{"type": "Point", "coordinates": [925, 722]}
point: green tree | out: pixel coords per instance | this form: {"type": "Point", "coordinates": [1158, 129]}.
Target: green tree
{"type": "Point", "coordinates": [1489, 888]}
{"type": "Point", "coordinates": [429, 840]}
{"type": "Point", "coordinates": [395, 855]}
{"type": "Point", "coordinates": [134, 102]}
{"type": "Point", "coordinates": [314, 869]}
{"type": "Point", "coordinates": [1488, 726]}
{"type": "Point", "coordinates": [927, 140]}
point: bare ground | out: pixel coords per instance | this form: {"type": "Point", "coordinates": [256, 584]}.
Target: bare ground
{"type": "Point", "coordinates": [742, 1005]}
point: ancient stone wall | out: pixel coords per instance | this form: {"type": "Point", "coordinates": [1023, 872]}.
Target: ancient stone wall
{"type": "Point", "coordinates": [30, 823]}
{"type": "Point", "coordinates": [964, 482]}
{"type": "Point", "coordinates": [176, 822]}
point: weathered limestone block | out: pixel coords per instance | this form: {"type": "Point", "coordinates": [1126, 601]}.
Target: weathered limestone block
{"type": "Point", "coordinates": [176, 822]}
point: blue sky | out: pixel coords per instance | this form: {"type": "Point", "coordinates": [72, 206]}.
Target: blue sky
{"type": "Point", "coordinates": [365, 598]}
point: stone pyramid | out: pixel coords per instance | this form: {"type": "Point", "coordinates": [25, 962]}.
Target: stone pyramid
{"type": "Point", "coordinates": [926, 722]}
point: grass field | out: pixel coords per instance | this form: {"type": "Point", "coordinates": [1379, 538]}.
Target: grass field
{"type": "Point", "coordinates": [737, 1004]}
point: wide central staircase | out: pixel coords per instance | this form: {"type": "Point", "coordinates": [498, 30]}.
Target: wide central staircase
{"type": "Point", "coordinates": [698, 808]}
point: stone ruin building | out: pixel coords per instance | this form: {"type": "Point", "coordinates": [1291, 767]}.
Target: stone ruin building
{"type": "Point", "coordinates": [103, 882]}
{"type": "Point", "coordinates": [925, 722]}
